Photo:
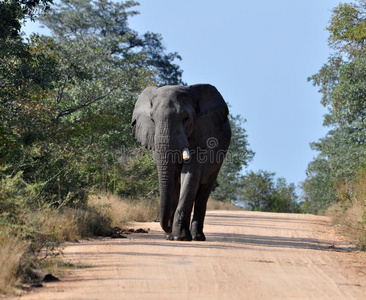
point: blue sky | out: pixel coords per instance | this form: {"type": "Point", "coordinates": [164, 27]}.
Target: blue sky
{"type": "Point", "coordinates": [259, 55]}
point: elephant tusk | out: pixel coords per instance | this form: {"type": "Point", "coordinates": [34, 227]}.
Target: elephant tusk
{"type": "Point", "coordinates": [186, 155]}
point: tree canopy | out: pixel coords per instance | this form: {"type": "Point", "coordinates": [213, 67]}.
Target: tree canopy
{"type": "Point", "coordinates": [342, 152]}
{"type": "Point", "coordinates": [67, 100]}
{"type": "Point", "coordinates": [238, 156]}
{"type": "Point", "coordinates": [259, 191]}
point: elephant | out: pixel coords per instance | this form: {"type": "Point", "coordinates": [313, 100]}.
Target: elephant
{"type": "Point", "coordinates": [188, 130]}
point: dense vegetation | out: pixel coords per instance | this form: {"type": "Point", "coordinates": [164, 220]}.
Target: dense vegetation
{"type": "Point", "coordinates": [67, 101]}
{"type": "Point", "coordinates": [65, 111]}
{"type": "Point", "coordinates": [342, 151]}
{"type": "Point", "coordinates": [336, 175]}
{"type": "Point", "coordinates": [260, 191]}
{"type": "Point", "coordinates": [65, 133]}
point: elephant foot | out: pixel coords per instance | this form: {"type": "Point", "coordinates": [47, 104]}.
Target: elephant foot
{"type": "Point", "coordinates": [199, 237]}
{"type": "Point", "coordinates": [171, 237]}
{"type": "Point", "coordinates": [183, 236]}
{"type": "Point", "coordinates": [197, 231]}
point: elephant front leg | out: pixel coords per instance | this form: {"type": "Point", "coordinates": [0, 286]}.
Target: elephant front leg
{"type": "Point", "coordinates": [180, 232]}
{"type": "Point", "coordinates": [182, 216]}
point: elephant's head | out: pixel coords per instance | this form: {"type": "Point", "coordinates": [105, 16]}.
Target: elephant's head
{"type": "Point", "coordinates": [170, 120]}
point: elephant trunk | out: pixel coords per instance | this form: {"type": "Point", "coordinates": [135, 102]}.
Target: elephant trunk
{"type": "Point", "coordinates": [166, 166]}
{"type": "Point", "coordinates": [167, 193]}
{"type": "Point", "coordinates": [170, 151]}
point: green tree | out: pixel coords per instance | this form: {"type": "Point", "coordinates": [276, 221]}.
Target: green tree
{"type": "Point", "coordinates": [342, 153]}
{"type": "Point", "coordinates": [257, 189]}
{"type": "Point", "coordinates": [319, 186]}
{"type": "Point", "coordinates": [67, 99]}
{"type": "Point", "coordinates": [285, 198]}
{"type": "Point", "coordinates": [27, 75]}
{"type": "Point", "coordinates": [238, 156]}
{"type": "Point", "coordinates": [14, 13]}
{"type": "Point", "coordinates": [106, 23]}
{"type": "Point", "coordinates": [261, 192]}
{"type": "Point", "coordinates": [347, 29]}
{"type": "Point", "coordinates": [27, 72]}
{"type": "Point", "coordinates": [104, 65]}
{"type": "Point", "coordinates": [24, 75]}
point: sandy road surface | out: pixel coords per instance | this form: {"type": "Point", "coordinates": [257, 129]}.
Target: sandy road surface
{"type": "Point", "coordinates": [247, 255]}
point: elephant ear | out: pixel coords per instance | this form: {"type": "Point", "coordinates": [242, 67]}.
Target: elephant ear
{"type": "Point", "coordinates": [211, 106]}
{"type": "Point", "coordinates": [143, 127]}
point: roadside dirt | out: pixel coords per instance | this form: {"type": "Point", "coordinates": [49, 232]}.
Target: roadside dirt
{"type": "Point", "coordinates": [247, 255]}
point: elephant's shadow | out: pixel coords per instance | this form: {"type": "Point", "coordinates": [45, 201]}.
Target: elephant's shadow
{"type": "Point", "coordinates": [248, 241]}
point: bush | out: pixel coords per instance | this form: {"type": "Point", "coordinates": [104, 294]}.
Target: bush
{"type": "Point", "coordinates": [13, 196]}
{"type": "Point", "coordinates": [213, 204]}
{"type": "Point", "coordinates": [122, 210]}
{"type": "Point", "coordinates": [350, 211]}
{"type": "Point", "coordinates": [139, 176]}
{"type": "Point", "coordinates": [28, 239]}
{"type": "Point", "coordinates": [12, 249]}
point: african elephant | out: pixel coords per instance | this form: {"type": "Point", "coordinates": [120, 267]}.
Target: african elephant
{"type": "Point", "coordinates": [188, 130]}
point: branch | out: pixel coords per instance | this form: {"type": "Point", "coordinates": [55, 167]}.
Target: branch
{"type": "Point", "coordinates": [71, 110]}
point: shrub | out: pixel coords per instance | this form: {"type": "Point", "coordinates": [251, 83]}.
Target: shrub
{"type": "Point", "coordinates": [122, 210]}
{"type": "Point", "coordinates": [350, 211]}
{"type": "Point", "coordinates": [12, 249]}
{"type": "Point", "coordinates": [213, 204]}
{"type": "Point", "coordinates": [13, 196]}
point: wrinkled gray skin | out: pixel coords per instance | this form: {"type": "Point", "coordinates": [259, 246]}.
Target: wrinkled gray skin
{"type": "Point", "coordinates": [167, 120]}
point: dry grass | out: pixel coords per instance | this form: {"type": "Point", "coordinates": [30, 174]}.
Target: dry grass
{"type": "Point", "coordinates": [122, 211]}
{"type": "Point", "coordinates": [25, 249]}
{"type": "Point", "coordinates": [12, 250]}
{"type": "Point", "coordinates": [46, 229]}
{"type": "Point", "coordinates": [219, 205]}
{"type": "Point", "coordinates": [350, 212]}
{"type": "Point", "coordinates": [52, 225]}
{"type": "Point", "coordinates": [56, 266]}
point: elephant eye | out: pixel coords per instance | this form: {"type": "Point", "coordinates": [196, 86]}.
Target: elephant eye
{"type": "Point", "coordinates": [186, 121]}
{"type": "Point", "coordinates": [151, 117]}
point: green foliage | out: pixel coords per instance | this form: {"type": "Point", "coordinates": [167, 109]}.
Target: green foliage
{"type": "Point", "coordinates": [141, 178]}
{"type": "Point", "coordinates": [67, 100]}
{"type": "Point", "coordinates": [14, 12]}
{"type": "Point", "coordinates": [285, 198]}
{"type": "Point", "coordinates": [260, 192]}
{"type": "Point", "coordinates": [257, 189]}
{"type": "Point", "coordinates": [13, 197]}
{"type": "Point", "coordinates": [65, 112]}
{"type": "Point", "coordinates": [105, 24]}
{"type": "Point", "coordinates": [11, 14]}
{"type": "Point", "coordinates": [347, 29]}
{"type": "Point", "coordinates": [238, 156]}
{"type": "Point", "coordinates": [319, 191]}
{"type": "Point", "coordinates": [342, 152]}
{"type": "Point", "coordinates": [350, 210]}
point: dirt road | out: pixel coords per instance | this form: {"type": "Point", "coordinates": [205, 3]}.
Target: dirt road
{"type": "Point", "coordinates": [247, 255]}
